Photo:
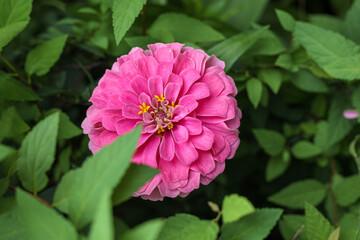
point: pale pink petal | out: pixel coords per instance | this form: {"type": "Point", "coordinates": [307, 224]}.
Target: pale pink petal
{"type": "Point", "coordinates": [164, 55]}
{"type": "Point", "coordinates": [214, 61]}
{"type": "Point", "coordinates": [193, 183]}
{"type": "Point", "coordinates": [205, 140]}
{"type": "Point", "coordinates": [189, 103]}
{"type": "Point", "coordinates": [107, 137]}
{"type": "Point", "coordinates": [167, 147]}
{"type": "Point", "coordinates": [186, 152]}
{"type": "Point", "coordinates": [144, 98]}
{"type": "Point", "coordinates": [171, 92]}
{"type": "Point", "coordinates": [167, 167]}
{"type": "Point", "coordinates": [110, 117]}
{"type": "Point", "coordinates": [199, 90]}
{"type": "Point", "coordinates": [214, 83]}
{"type": "Point", "coordinates": [204, 164]}
{"type": "Point", "coordinates": [351, 114]}
{"type": "Point", "coordinates": [156, 86]}
{"type": "Point", "coordinates": [131, 111]}
{"type": "Point", "coordinates": [139, 85]}
{"type": "Point", "coordinates": [129, 97]}
{"type": "Point", "coordinates": [214, 106]}
{"type": "Point", "coordinates": [124, 126]}
{"type": "Point", "coordinates": [164, 70]}
{"type": "Point", "coordinates": [193, 125]}
{"type": "Point", "coordinates": [148, 66]}
{"type": "Point", "coordinates": [150, 151]}
{"type": "Point", "coordinates": [183, 62]}
{"type": "Point", "coordinates": [189, 76]}
{"type": "Point", "coordinates": [180, 133]}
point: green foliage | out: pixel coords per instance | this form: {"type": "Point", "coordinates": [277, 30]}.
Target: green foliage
{"type": "Point", "coordinates": [255, 226]}
{"type": "Point", "coordinates": [275, 167]}
{"type": "Point", "coordinates": [254, 91]}
{"type": "Point", "coordinates": [14, 90]}
{"type": "Point", "coordinates": [271, 141]}
{"type": "Point", "coordinates": [346, 191]}
{"type": "Point", "coordinates": [149, 230]}
{"type": "Point", "coordinates": [317, 227]}
{"type": "Point", "coordinates": [235, 207]}
{"type": "Point", "coordinates": [290, 224]}
{"type": "Point", "coordinates": [295, 194]}
{"type": "Point", "coordinates": [305, 149]}
{"type": "Point", "coordinates": [286, 20]}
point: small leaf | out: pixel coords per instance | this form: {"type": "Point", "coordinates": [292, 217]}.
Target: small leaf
{"type": "Point", "coordinates": [10, 227]}
{"type": "Point", "coordinates": [135, 177]}
{"type": "Point", "coordinates": [352, 16]}
{"type": "Point", "coordinates": [231, 49]}
{"type": "Point", "coordinates": [308, 82]}
{"type": "Point", "coordinates": [347, 68]}
{"type": "Point", "coordinates": [254, 226]}
{"type": "Point", "coordinates": [235, 207]}
{"type": "Point", "coordinates": [305, 149]}
{"type": "Point", "coordinates": [347, 190]}
{"type": "Point", "coordinates": [4, 183]}
{"type": "Point", "coordinates": [63, 164]}
{"type": "Point", "coordinates": [290, 224]}
{"type": "Point", "coordinates": [124, 15]}
{"type": "Point", "coordinates": [40, 221]}
{"type": "Point", "coordinates": [349, 224]}
{"type": "Point", "coordinates": [254, 91]}
{"type": "Point", "coordinates": [188, 227]}
{"type": "Point", "coordinates": [11, 124]}
{"type": "Point", "coordinates": [355, 98]}
{"type": "Point", "coordinates": [37, 153]}
{"type": "Point", "coordinates": [317, 227]}
{"type": "Point", "coordinates": [286, 20]}
{"type": "Point", "coordinates": [102, 226]}
{"type": "Point", "coordinates": [271, 141]}
{"type": "Point", "coordinates": [43, 57]}
{"type": "Point", "coordinates": [335, 234]}
{"type": "Point", "coordinates": [272, 77]}
{"type": "Point", "coordinates": [213, 206]}
{"type": "Point", "coordinates": [184, 29]}
{"type": "Point", "coordinates": [295, 194]}
{"type": "Point", "coordinates": [275, 167]}
{"type": "Point", "coordinates": [285, 61]}
{"type": "Point", "coordinates": [149, 230]}
{"type": "Point", "coordinates": [5, 151]}
{"type": "Point", "coordinates": [61, 197]}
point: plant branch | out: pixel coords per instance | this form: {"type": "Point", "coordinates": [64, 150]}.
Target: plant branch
{"type": "Point", "coordinates": [39, 198]}
{"type": "Point", "coordinates": [21, 78]}
{"type": "Point", "coordinates": [332, 195]}
{"type": "Point", "coordinates": [298, 232]}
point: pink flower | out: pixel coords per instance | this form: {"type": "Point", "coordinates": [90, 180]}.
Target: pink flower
{"type": "Point", "coordinates": [185, 103]}
{"type": "Point", "coordinates": [351, 114]}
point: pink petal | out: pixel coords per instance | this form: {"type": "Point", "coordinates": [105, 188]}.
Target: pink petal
{"type": "Point", "coordinates": [136, 53]}
{"type": "Point", "coordinates": [219, 143]}
{"type": "Point", "coordinates": [168, 167]}
{"type": "Point", "coordinates": [148, 66]}
{"type": "Point", "coordinates": [351, 114]}
{"type": "Point", "coordinates": [199, 57]}
{"type": "Point", "coordinates": [124, 126]}
{"type": "Point", "coordinates": [214, 61]}
{"type": "Point", "coordinates": [214, 83]}
{"type": "Point", "coordinates": [171, 92]}
{"type": "Point", "coordinates": [219, 168]}
{"type": "Point", "coordinates": [203, 141]}
{"type": "Point", "coordinates": [193, 183]}
{"type": "Point", "coordinates": [204, 164]}
{"type": "Point", "coordinates": [183, 62]}
{"type": "Point", "coordinates": [180, 133]}
{"type": "Point", "coordinates": [156, 86]}
{"type": "Point", "coordinates": [186, 152]}
{"type": "Point", "coordinates": [167, 147]}
{"type": "Point", "coordinates": [214, 106]}
{"type": "Point", "coordinates": [173, 78]}
{"type": "Point", "coordinates": [150, 151]}
{"type": "Point", "coordinates": [189, 76]}
{"type": "Point", "coordinates": [199, 90]}
{"type": "Point", "coordinates": [144, 98]}
{"type": "Point", "coordinates": [129, 68]}
{"type": "Point", "coordinates": [107, 137]}
{"type": "Point", "coordinates": [140, 85]}
{"type": "Point", "coordinates": [164, 70]}
{"type": "Point", "coordinates": [147, 118]}
{"type": "Point", "coordinates": [193, 125]}
{"type": "Point", "coordinates": [164, 54]}
{"type": "Point", "coordinates": [110, 117]}
{"type": "Point", "coordinates": [128, 97]}
{"type": "Point", "coordinates": [189, 103]}
{"type": "Point", "coordinates": [131, 111]}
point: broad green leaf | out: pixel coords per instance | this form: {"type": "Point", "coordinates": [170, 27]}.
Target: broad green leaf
{"type": "Point", "coordinates": [285, 61]}
{"type": "Point", "coordinates": [275, 167]}
{"type": "Point", "coordinates": [231, 49]}
{"type": "Point", "coordinates": [235, 207]}
{"type": "Point", "coordinates": [349, 224]}
{"type": "Point", "coordinates": [335, 234]}
{"type": "Point", "coordinates": [63, 164]}
{"type": "Point", "coordinates": [149, 230]}
{"type": "Point", "coordinates": [9, 164]}
{"type": "Point", "coordinates": [290, 224]}
{"type": "Point", "coordinates": [355, 98]}
{"type": "Point", "coordinates": [5, 151]}
{"type": "Point", "coordinates": [67, 129]}
{"type": "Point", "coordinates": [322, 135]}
{"type": "Point", "coordinates": [255, 226]}
{"type": "Point", "coordinates": [102, 226]}
{"type": "Point", "coordinates": [11, 124]}
{"type": "Point", "coordinates": [268, 45]}
{"type": "Point", "coordinates": [135, 177]}
{"type": "Point", "coordinates": [61, 197]}
{"type": "Point", "coordinates": [286, 20]}
{"type": "Point", "coordinates": [295, 194]}
{"type": "Point", "coordinates": [329, 50]}
{"type": "Point", "coordinates": [319, 106]}
{"type": "Point", "coordinates": [347, 191]}
{"type": "Point", "coordinates": [15, 91]}
{"type": "Point", "coordinates": [14, 16]}
{"type": "Point", "coordinates": [352, 17]}
{"type": "Point", "coordinates": [105, 168]}
{"type": "Point", "coordinates": [254, 90]}
{"type": "Point", "coordinates": [327, 21]}
{"type": "Point", "coordinates": [37, 153]}
{"type": "Point", "coordinates": [10, 227]}
{"type": "Point", "coordinates": [304, 149]}
{"type": "Point", "coordinates": [44, 56]}
{"type": "Point", "coordinates": [271, 141]}
{"type": "Point", "coordinates": [317, 227]}
{"type": "Point", "coordinates": [124, 15]}
{"type": "Point", "coordinates": [4, 183]}
{"type": "Point", "coordinates": [40, 221]}
{"type": "Point", "coordinates": [188, 227]}
{"type": "Point", "coordinates": [308, 82]}
{"type": "Point", "coordinates": [184, 29]}
{"type": "Point", "coordinates": [272, 77]}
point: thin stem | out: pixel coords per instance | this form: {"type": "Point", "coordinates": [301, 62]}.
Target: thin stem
{"type": "Point", "coordinates": [39, 198]}
{"type": "Point", "coordinates": [332, 195]}
{"type": "Point", "coordinates": [298, 232]}
{"type": "Point", "coordinates": [22, 79]}
{"type": "Point", "coordinates": [144, 20]}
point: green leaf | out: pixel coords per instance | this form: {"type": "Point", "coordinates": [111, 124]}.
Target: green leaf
{"type": "Point", "coordinates": [37, 153]}
{"type": "Point", "coordinates": [44, 56]}
{"type": "Point", "coordinates": [347, 191]}
{"type": "Point", "coordinates": [188, 227]}
{"type": "Point", "coordinates": [61, 197]}
{"type": "Point", "coordinates": [11, 124]}
{"type": "Point", "coordinates": [9, 164]}
{"type": "Point", "coordinates": [231, 49]}
{"type": "Point", "coordinates": [135, 177]}
{"type": "Point", "coordinates": [63, 164]}
{"type": "Point", "coordinates": [40, 221]}
{"type": "Point", "coordinates": [286, 20]}
{"type": "Point", "coordinates": [352, 17]}
{"type": "Point", "coordinates": [329, 50]}
{"type": "Point", "coordinates": [184, 29]}
{"type": "Point", "coordinates": [268, 45]}
{"type": "Point", "coordinates": [308, 82]}
{"type": "Point", "coordinates": [254, 91]}
{"type": "Point", "coordinates": [355, 98]}
{"type": "Point", "coordinates": [15, 91]}
{"type": "Point", "coordinates": [317, 227]}
{"type": "Point", "coordinates": [14, 16]}
{"type": "Point", "coordinates": [149, 230]}
{"type": "Point", "coordinates": [272, 77]}
{"type": "Point", "coordinates": [67, 129]}
{"type": "Point", "coordinates": [4, 183]}
{"type": "Point", "coordinates": [275, 167]}
{"type": "Point", "coordinates": [295, 194]}
{"type": "Point", "coordinates": [102, 226]}
{"type": "Point", "coordinates": [271, 141]}
{"type": "Point", "coordinates": [349, 225]}
{"type": "Point", "coordinates": [10, 227]}
{"type": "Point", "coordinates": [5, 151]}
{"type": "Point", "coordinates": [255, 226]}
{"type": "Point", "coordinates": [335, 234]}
{"type": "Point", "coordinates": [327, 21]}
{"type": "Point", "coordinates": [290, 224]}
{"type": "Point", "coordinates": [124, 15]}
{"type": "Point", "coordinates": [105, 168]}
{"type": "Point", "coordinates": [285, 61]}
{"type": "Point", "coordinates": [235, 207]}
{"type": "Point", "coordinates": [305, 149]}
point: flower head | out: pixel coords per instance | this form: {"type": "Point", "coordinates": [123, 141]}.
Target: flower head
{"type": "Point", "coordinates": [185, 103]}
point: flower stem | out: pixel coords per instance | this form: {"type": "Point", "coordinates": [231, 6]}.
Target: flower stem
{"type": "Point", "coordinates": [22, 79]}
{"type": "Point", "coordinates": [39, 198]}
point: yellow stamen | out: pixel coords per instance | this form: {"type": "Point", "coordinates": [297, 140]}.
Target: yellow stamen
{"type": "Point", "coordinates": [170, 125]}
{"type": "Point", "coordinates": [173, 105]}
{"type": "Point", "coordinates": [161, 98]}
{"type": "Point", "coordinates": [143, 108]}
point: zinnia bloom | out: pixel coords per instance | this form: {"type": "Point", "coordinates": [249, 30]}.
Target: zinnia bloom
{"type": "Point", "coordinates": [185, 103]}
{"type": "Point", "coordinates": [351, 114]}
